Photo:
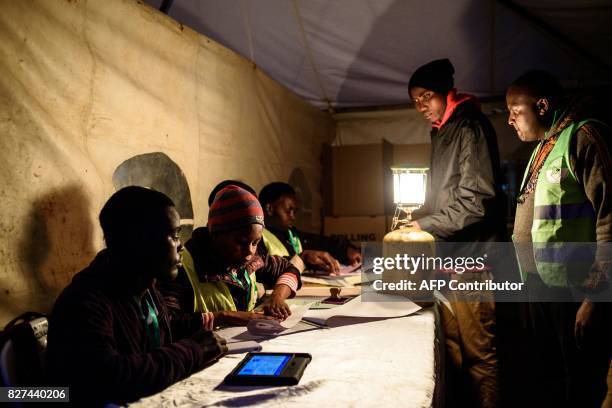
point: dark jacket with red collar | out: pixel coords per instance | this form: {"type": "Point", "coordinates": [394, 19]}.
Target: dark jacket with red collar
{"type": "Point", "coordinates": [463, 202]}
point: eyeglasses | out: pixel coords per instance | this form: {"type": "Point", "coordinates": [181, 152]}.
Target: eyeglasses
{"type": "Point", "coordinates": [425, 97]}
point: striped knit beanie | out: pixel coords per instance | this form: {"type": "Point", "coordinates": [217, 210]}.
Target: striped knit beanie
{"type": "Point", "coordinates": [232, 208]}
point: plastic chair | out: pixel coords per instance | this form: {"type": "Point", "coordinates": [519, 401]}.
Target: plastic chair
{"type": "Point", "coordinates": [22, 346]}
{"type": "Point", "coordinates": [8, 374]}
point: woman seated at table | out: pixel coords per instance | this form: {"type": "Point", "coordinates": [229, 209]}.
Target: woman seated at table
{"type": "Point", "coordinates": [221, 266]}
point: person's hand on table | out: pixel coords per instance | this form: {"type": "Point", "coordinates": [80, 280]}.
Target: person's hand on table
{"type": "Point", "coordinates": [236, 318]}
{"type": "Point", "coordinates": [353, 255]}
{"type": "Point", "coordinates": [275, 305]}
{"type": "Point", "coordinates": [214, 346]}
{"type": "Point", "coordinates": [415, 225]}
{"type": "Point", "coordinates": [321, 260]}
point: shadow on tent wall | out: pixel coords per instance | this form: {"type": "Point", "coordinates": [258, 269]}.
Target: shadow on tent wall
{"type": "Point", "coordinates": [159, 172]}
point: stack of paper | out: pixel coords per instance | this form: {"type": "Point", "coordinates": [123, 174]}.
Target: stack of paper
{"type": "Point", "coordinates": [380, 307]}
{"type": "Point", "coordinates": [346, 278]}
{"type": "Point", "coordinates": [349, 269]}
{"type": "Point", "coordinates": [334, 281]}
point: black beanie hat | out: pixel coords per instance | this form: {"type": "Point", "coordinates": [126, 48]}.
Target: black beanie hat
{"type": "Point", "coordinates": [435, 76]}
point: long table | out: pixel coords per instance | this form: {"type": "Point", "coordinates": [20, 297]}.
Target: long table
{"type": "Point", "coordinates": [393, 362]}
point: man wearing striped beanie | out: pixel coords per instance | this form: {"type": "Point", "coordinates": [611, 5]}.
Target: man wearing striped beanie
{"type": "Point", "coordinates": [221, 266]}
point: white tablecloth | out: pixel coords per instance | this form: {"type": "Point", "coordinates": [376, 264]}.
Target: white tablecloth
{"type": "Point", "coordinates": [383, 363]}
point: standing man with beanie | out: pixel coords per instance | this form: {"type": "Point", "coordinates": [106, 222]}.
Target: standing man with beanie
{"type": "Point", "coordinates": [463, 204]}
{"type": "Point", "coordinates": [221, 266]}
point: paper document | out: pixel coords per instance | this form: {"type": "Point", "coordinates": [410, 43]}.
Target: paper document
{"type": "Point", "coordinates": [382, 307]}
{"type": "Point", "coordinates": [353, 279]}
{"type": "Point", "coordinates": [335, 281]}
{"type": "Point", "coordinates": [270, 327]}
{"type": "Point", "coordinates": [349, 269]}
{"type": "Point", "coordinates": [238, 347]}
{"type": "Point", "coordinates": [347, 277]}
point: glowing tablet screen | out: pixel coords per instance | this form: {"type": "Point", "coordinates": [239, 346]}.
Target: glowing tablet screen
{"type": "Point", "coordinates": [264, 365]}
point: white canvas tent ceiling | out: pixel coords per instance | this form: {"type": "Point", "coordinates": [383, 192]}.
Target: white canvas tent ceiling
{"type": "Point", "coordinates": [361, 53]}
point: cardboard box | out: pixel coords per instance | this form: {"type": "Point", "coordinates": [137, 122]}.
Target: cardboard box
{"type": "Point", "coordinates": [417, 155]}
{"type": "Point", "coordinates": [357, 175]}
{"type": "Point", "coordinates": [357, 229]}
{"type": "Point", "coordinates": [361, 182]}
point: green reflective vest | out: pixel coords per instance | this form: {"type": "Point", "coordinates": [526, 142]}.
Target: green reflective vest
{"type": "Point", "coordinates": [214, 296]}
{"type": "Point", "coordinates": [562, 214]}
{"type": "Point", "coordinates": [275, 246]}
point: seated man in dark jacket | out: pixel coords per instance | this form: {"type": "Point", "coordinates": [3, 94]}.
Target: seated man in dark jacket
{"type": "Point", "coordinates": [222, 265]}
{"type": "Point", "coordinates": [280, 237]}
{"type": "Point", "coordinates": [110, 337]}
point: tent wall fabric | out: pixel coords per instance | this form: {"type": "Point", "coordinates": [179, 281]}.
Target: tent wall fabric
{"type": "Point", "coordinates": [398, 126]}
{"type": "Point", "coordinates": [91, 91]}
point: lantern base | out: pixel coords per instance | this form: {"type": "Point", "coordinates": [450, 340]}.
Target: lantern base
{"type": "Point", "coordinates": [403, 215]}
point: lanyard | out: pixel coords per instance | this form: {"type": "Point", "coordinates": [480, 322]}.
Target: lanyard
{"type": "Point", "coordinates": [544, 149]}
{"type": "Point", "coordinates": [295, 243]}
{"type": "Point", "coordinates": [148, 314]}
{"type": "Point", "coordinates": [246, 284]}
{"type": "Point", "coordinates": [542, 152]}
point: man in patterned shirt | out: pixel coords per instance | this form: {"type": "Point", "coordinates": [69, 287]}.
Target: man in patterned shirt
{"type": "Point", "coordinates": [221, 266]}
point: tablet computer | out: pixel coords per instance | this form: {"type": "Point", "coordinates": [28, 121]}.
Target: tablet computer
{"type": "Point", "coordinates": [269, 369]}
